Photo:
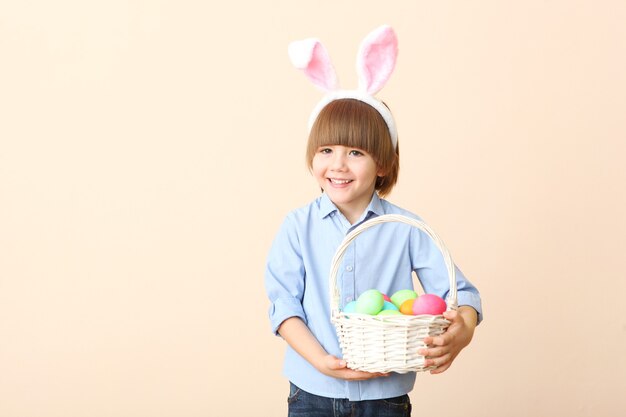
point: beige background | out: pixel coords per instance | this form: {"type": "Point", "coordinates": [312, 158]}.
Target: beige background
{"type": "Point", "coordinates": [150, 149]}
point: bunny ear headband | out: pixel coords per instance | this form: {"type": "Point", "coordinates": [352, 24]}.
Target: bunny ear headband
{"type": "Point", "coordinates": [376, 60]}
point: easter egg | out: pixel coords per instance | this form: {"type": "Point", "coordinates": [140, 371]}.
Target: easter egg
{"type": "Point", "coordinates": [407, 307]}
{"type": "Point", "coordinates": [386, 297]}
{"type": "Point", "coordinates": [350, 307]}
{"type": "Point", "coordinates": [401, 296]}
{"type": "Point", "coordinates": [389, 306]}
{"type": "Point", "coordinates": [429, 304]}
{"type": "Point", "coordinates": [370, 302]}
{"type": "Point", "coordinates": [389, 313]}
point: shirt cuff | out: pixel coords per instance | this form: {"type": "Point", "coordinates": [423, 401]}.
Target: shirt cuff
{"type": "Point", "coordinates": [284, 308]}
{"type": "Point", "coordinates": [473, 300]}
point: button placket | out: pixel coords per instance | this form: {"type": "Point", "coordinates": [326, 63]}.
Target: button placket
{"type": "Point", "coordinates": [348, 284]}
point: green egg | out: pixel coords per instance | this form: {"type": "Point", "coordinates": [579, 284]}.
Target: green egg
{"type": "Point", "coordinates": [370, 302]}
{"type": "Point", "coordinates": [401, 296]}
{"type": "Point", "coordinates": [389, 313]}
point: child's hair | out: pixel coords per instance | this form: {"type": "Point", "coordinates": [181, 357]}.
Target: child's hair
{"type": "Point", "coordinates": [353, 123]}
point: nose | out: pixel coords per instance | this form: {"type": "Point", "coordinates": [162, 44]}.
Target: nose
{"type": "Point", "coordinates": [338, 162]}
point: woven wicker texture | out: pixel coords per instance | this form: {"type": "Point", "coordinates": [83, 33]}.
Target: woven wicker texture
{"type": "Point", "coordinates": [387, 343]}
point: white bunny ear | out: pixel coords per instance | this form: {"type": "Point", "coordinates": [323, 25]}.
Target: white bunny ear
{"type": "Point", "coordinates": [310, 56]}
{"type": "Point", "coordinates": [377, 59]}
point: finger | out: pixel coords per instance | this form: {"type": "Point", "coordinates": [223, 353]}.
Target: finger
{"type": "Point", "coordinates": [372, 375]}
{"type": "Point", "coordinates": [359, 375]}
{"type": "Point", "coordinates": [439, 340]}
{"type": "Point", "coordinates": [438, 362]}
{"type": "Point", "coordinates": [441, 369]}
{"type": "Point", "coordinates": [367, 375]}
{"type": "Point", "coordinates": [341, 368]}
{"type": "Point", "coordinates": [451, 315]}
{"type": "Point", "coordinates": [333, 363]}
{"type": "Point", "coordinates": [433, 352]}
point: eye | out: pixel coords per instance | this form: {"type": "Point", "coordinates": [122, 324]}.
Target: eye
{"type": "Point", "coordinates": [356, 152]}
{"type": "Point", "coordinates": [325, 150]}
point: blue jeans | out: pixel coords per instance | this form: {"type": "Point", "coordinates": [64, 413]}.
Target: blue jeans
{"type": "Point", "coordinates": [304, 404]}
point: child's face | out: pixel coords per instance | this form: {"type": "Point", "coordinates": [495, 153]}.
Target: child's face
{"type": "Point", "coordinates": [347, 176]}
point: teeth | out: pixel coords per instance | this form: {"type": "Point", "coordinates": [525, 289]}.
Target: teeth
{"type": "Point", "coordinates": [334, 181]}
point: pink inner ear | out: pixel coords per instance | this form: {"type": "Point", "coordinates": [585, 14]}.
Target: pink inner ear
{"type": "Point", "coordinates": [320, 70]}
{"type": "Point", "coordinates": [377, 59]}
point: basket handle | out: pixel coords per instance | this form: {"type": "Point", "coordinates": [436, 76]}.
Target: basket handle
{"type": "Point", "coordinates": [451, 300]}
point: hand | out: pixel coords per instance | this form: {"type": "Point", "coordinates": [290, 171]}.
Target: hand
{"type": "Point", "coordinates": [443, 349]}
{"type": "Point", "coordinates": [332, 366]}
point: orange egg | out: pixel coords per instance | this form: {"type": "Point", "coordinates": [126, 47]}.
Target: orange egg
{"type": "Point", "coordinates": [407, 307]}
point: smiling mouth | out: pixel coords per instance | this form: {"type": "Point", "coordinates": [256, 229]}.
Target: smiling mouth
{"type": "Point", "coordinates": [339, 182]}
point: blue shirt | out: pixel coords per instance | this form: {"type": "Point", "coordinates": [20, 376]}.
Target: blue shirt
{"type": "Point", "coordinates": [382, 257]}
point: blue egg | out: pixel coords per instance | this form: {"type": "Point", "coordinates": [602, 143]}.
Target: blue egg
{"type": "Point", "coordinates": [389, 306]}
{"type": "Point", "coordinates": [350, 307]}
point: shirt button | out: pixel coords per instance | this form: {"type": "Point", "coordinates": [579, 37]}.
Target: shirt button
{"type": "Point", "coordinates": [348, 299]}
{"type": "Point", "coordinates": [349, 268]}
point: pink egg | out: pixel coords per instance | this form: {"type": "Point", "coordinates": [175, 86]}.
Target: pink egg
{"type": "Point", "coordinates": [386, 297]}
{"type": "Point", "coordinates": [429, 304]}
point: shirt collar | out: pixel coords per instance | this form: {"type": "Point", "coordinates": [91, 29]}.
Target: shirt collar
{"type": "Point", "coordinates": [326, 206]}
{"type": "Point", "coordinates": [375, 206]}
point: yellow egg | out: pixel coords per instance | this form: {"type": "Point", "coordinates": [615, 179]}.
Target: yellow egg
{"type": "Point", "coordinates": [407, 307]}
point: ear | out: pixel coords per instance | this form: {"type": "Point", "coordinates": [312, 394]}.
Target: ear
{"type": "Point", "coordinates": [379, 181]}
{"type": "Point", "coordinates": [377, 59]}
{"type": "Point", "coordinates": [310, 56]}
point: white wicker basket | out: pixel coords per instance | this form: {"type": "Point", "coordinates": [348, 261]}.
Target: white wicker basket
{"type": "Point", "coordinates": [387, 343]}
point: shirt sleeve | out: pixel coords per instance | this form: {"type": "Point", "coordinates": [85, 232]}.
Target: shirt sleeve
{"type": "Point", "coordinates": [284, 276]}
{"type": "Point", "coordinates": [432, 273]}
